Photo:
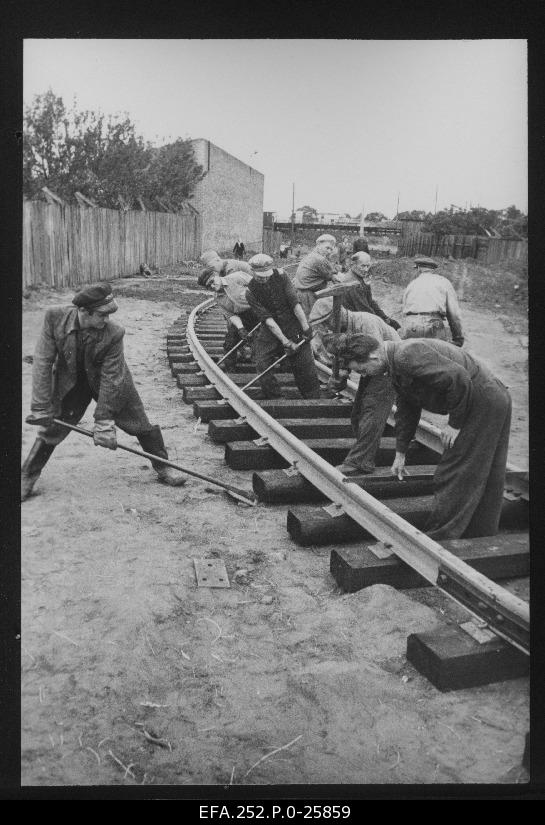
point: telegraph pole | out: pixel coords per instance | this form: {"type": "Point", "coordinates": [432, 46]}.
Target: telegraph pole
{"type": "Point", "coordinates": [436, 191]}
{"type": "Point", "coordinates": [362, 228]}
{"type": "Point", "coordinates": [293, 213]}
{"type": "Point", "coordinates": [397, 207]}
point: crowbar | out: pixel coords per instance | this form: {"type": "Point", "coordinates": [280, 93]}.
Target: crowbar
{"type": "Point", "coordinates": [242, 340]}
{"type": "Point", "coordinates": [241, 495]}
{"type": "Point", "coordinates": [278, 361]}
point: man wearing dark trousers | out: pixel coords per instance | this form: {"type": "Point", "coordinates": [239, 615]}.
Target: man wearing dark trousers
{"type": "Point", "coordinates": [430, 374]}
{"type": "Point", "coordinates": [79, 357]}
{"type": "Point", "coordinates": [274, 301]}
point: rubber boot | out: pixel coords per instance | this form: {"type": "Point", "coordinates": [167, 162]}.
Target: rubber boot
{"type": "Point", "coordinates": [33, 466]}
{"type": "Point", "coordinates": [152, 442]}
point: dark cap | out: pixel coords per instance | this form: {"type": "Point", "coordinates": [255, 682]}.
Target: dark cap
{"type": "Point", "coordinates": [96, 296]}
{"type": "Point", "coordinates": [420, 260]}
{"type": "Point", "coordinates": [206, 276]}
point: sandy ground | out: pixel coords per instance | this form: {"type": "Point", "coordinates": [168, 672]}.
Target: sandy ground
{"type": "Point", "coordinates": [134, 675]}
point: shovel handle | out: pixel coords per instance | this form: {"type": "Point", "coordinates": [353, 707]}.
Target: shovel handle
{"type": "Point", "coordinates": [243, 494]}
{"type": "Point", "coordinates": [238, 345]}
{"type": "Point", "coordinates": [278, 361]}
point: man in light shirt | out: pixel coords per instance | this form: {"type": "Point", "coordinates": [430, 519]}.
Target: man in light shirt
{"type": "Point", "coordinates": [315, 271]}
{"type": "Point", "coordinates": [428, 301]}
{"type": "Point", "coordinates": [230, 292]}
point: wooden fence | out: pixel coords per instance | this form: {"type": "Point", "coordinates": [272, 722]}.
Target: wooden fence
{"type": "Point", "coordinates": [271, 241]}
{"type": "Point", "coordinates": [68, 245]}
{"type": "Point", "coordinates": [485, 250]}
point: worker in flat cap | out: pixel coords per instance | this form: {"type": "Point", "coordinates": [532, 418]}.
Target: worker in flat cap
{"type": "Point", "coordinates": [375, 394]}
{"type": "Point", "coordinates": [223, 266]}
{"type": "Point", "coordinates": [359, 298]}
{"type": "Point", "coordinates": [284, 326]}
{"type": "Point", "coordinates": [230, 294]}
{"type": "Point", "coordinates": [79, 357]}
{"type": "Point", "coordinates": [427, 302]}
{"type": "Point", "coordinates": [315, 271]}
{"type": "Point", "coordinates": [439, 377]}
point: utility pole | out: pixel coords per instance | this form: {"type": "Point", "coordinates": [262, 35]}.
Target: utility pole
{"type": "Point", "coordinates": [436, 191]}
{"type": "Point", "coordinates": [293, 213]}
{"type": "Point", "coordinates": [397, 207]}
{"type": "Point", "coordinates": [362, 228]}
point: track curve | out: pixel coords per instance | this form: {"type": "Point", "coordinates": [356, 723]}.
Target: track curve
{"type": "Point", "coordinates": [505, 614]}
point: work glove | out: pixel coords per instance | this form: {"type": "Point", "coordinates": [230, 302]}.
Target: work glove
{"type": "Point", "coordinates": [39, 419]}
{"type": "Point", "coordinates": [308, 334]}
{"type": "Point", "coordinates": [393, 323]}
{"type": "Point", "coordinates": [242, 333]}
{"type": "Point", "coordinates": [458, 342]}
{"type": "Point", "coordinates": [290, 347]}
{"type": "Point", "coordinates": [104, 434]}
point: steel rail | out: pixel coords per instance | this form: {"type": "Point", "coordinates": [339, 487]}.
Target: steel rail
{"type": "Point", "coordinates": [506, 614]}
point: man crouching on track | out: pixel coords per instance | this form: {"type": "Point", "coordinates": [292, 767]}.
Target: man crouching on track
{"type": "Point", "coordinates": [79, 356]}
{"type": "Point", "coordinates": [442, 378]}
{"type": "Point", "coordinates": [284, 326]}
{"type": "Point", "coordinates": [375, 395]}
{"type": "Point", "coordinates": [230, 291]}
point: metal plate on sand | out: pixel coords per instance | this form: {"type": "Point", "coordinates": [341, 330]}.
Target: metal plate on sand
{"type": "Point", "coordinates": [211, 573]}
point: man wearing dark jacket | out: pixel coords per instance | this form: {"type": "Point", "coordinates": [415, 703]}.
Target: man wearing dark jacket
{"type": "Point", "coordinates": [359, 298]}
{"type": "Point", "coordinates": [430, 374]}
{"type": "Point", "coordinates": [284, 326]}
{"type": "Point", "coordinates": [78, 357]}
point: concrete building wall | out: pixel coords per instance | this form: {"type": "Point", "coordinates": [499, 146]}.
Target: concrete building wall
{"type": "Point", "coordinates": [229, 198]}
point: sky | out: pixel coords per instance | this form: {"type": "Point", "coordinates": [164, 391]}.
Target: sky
{"type": "Point", "coordinates": [351, 124]}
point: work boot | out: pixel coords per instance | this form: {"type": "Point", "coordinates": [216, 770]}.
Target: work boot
{"type": "Point", "coordinates": [152, 442]}
{"type": "Point", "coordinates": [229, 365]}
{"type": "Point", "coordinates": [33, 466]}
{"type": "Point", "coordinates": [349, 470]}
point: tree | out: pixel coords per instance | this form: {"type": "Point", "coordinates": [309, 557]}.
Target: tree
{"type": "Point", "coordinates": [173, 173]}
{"type": "Point", "coordinates": [515, 223]}
{"type": "Point", "coordinates": [104, 158]}
{"type": "Point", "coordinates": [375, 217]}
{"type": "Point", "coordinates": [46, 153]}
{"type": "Point", "coordinates": [475, 221]}
{"type": "Point", "coordinates": [414, 215]}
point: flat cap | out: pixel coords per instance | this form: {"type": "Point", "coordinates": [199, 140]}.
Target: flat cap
{"type": "Point", "coordinates": [96, 296]}
{"type": "Point", "coordinates": [209, 256]}
{"type": "Point", "coordinates": [261, 264]}
{"type": "Point", "coordinates": [326, 239]}
{"type": "Point", "coordinates": [421, 260]}
{"type": "Point", "coordinates": [206, 276]}
{"type": "Point", "coordinates": [321, 310]}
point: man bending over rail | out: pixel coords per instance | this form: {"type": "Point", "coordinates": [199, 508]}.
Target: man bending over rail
{"type": "Point", "coordinates": [375, 395]}
{"type": "Point", "coordinates": [273, 299]}
{"type": "Point", "coordinates": [230, 292]}
{"type": "Point", "coordinates": [442, 378]}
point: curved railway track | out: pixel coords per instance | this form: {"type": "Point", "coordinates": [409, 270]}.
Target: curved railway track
{"type": "Point", "coordinates": [291, 444]}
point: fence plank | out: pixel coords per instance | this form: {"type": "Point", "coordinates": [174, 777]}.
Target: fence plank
{"type": "Point", "coordinates": [67, 245]}
{"type": "Point", "coordinates": [485, 250]}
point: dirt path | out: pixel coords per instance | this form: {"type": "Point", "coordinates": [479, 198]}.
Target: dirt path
{"type": "Point", "coordinates": [133, 675]}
